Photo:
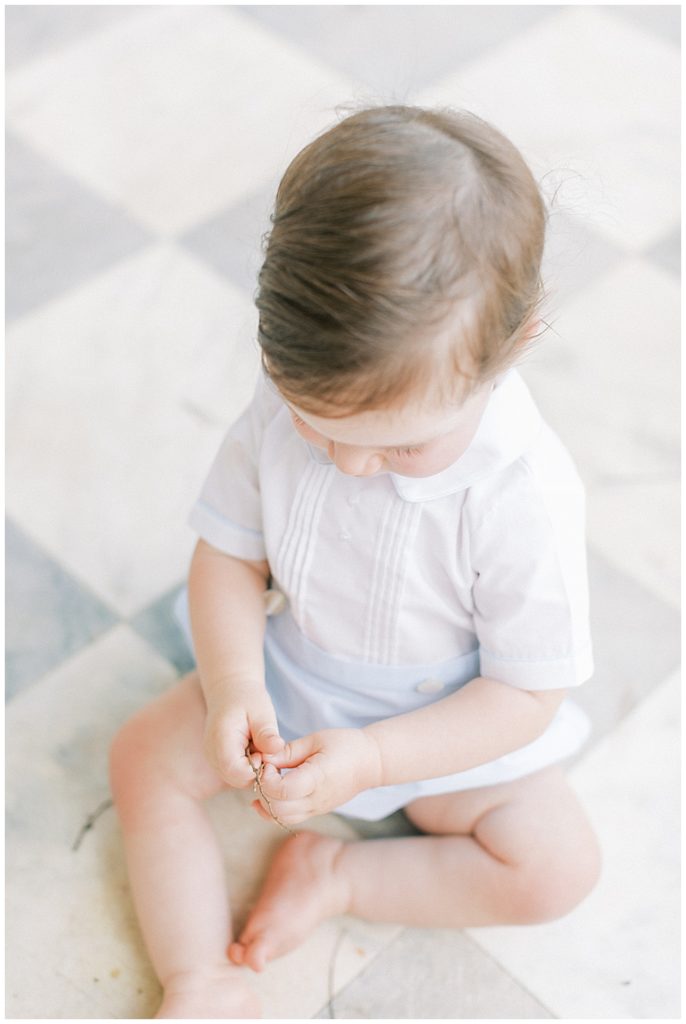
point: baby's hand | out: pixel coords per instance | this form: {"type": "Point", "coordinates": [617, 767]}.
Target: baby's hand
{"type": "Point", "coordinates": [234, 725]}
{"type": "Point", "coordinates": [328, 768]}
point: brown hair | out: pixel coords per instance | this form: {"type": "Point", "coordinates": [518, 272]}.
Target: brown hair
{"type": "Point", "coordinates": [404, 252]}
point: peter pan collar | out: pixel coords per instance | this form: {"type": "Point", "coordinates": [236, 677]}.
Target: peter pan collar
{"type": "Point", "coordinates": [508, 426]}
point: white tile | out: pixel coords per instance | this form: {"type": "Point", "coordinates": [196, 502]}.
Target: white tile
{"type": "Point", "coordinates": [80, 920]}
{"type": "Point", "coordinates": [637, 528]}
{"type": "Point", "coordinates": [607, 376]}
{"type": "Point", "coordinates": [176, 113]}
{"type": "Point", "coordinates": [617, 954]}
{"type": "Point", "coordinates": [118, 394]}
{"type": "Point", "coordinates": [593, 103]}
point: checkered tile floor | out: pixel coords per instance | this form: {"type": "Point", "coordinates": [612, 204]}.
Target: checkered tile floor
{"type": "Point", "coordinates": [144, 144]}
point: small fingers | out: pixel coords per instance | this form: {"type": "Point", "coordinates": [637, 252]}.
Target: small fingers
{"type": "Point", "coordinates": [295, 784]}
{"type": "Point", "coordinates": [294, 753]}
{"type": "Point", "coordinates": [268, 742]}
{"type": "Point", "coordinates": [231, 761]}
{"type": "Point", "coordinates": [285, 813]}
{"type": "Point", "coordinates": [253, 954]}
{"type": "Point", "coordinates": [236, 953]}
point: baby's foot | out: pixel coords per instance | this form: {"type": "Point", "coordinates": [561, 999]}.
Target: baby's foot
{"type": "Point", "coordinates": [303, 887]}
{"type": "Point", "coordinates": [221, 994]}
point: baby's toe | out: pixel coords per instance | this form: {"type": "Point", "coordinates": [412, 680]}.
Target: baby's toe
{"type": "Point", "coordinates": [236, 953]}
{"type": "Point", "coordinates": [257, 953]}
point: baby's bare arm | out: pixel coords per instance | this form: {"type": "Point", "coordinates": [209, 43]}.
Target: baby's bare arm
{"type": "Point", "coordinates": [479, 723]}
{"type": "Point", "coordinates": [226, 599]}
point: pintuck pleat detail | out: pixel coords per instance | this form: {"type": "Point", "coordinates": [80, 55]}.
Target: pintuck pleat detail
{"type": "Point", "coordinates": [295, 556]}
{"type": "Point", "coordinates": [397, 530]}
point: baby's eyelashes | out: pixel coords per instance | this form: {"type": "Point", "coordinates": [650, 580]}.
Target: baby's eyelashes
{"type": "Point", "coordinates": [406, 451]}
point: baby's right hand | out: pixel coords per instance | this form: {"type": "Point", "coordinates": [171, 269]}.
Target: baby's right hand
{"type": "Point", "coordinates": [233, 726]}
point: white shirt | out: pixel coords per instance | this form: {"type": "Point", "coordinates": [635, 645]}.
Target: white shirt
{"type": "Point", "coordinates": [390, 592]}
{"type": "Point", "coordinates": [396, 570]}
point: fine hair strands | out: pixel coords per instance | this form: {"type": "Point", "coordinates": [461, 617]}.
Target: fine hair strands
{"type": "Point", "coordinates": [403, 260]}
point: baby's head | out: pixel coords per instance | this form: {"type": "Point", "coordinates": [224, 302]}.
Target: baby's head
{"type": "Point", "coordinates": [401, 275]}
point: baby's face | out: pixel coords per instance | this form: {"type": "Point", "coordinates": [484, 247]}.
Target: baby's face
{"type": "Point", "coordinates": [412, 441]}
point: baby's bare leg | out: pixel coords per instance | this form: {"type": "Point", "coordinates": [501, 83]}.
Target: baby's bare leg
{"type": "Point", "coordinates": [517, 853]}
{"type": "Point", "coordinates": [160, 778]}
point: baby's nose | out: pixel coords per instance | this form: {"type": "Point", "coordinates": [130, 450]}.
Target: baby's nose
{"type": "Point", "coordinates": [354, 461]}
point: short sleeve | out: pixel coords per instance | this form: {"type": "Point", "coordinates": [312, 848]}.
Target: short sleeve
{"type": "Point", "coordinates": [228, 511]}
{"type": "Point", "coordinates": [531, 613]}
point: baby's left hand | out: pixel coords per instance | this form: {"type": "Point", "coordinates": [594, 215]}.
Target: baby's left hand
{"type": "Point", "coordinates": [328, 768]}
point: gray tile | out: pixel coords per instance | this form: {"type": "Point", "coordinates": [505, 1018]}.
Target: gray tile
{"type": "Point", "coordinates": [636, 642]}
{"type": "Point", "coordinates": [663, 19]}
{"type": "Point", "coordinates": [231, 243]}
{"type": "Point", "coordinates": [396, 49]}
{"type": "Point", "coordinates": [49, 616]}
{"type": "Point", "coordinates": [57, 233]}
{"type": "Point", "coordinates": [434, 973]}
{"type": "Point", "coordinates": [32, 30]}
{"type": "Point", "coordinates": [157, 625]}
{"type": "Point", "coordinates": [667, 253]}
{"type": "Point", "coordinates": [574, 256]}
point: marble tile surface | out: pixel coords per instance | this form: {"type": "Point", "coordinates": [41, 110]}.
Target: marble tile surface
{"type": "Point", "coordinates": [208, 80]}
{"type": "Point", "coordinates": [82, 926]}
{"type": "Point", "coordinates": [606, 377]}
{"type": "Point", "coordinates": [48, 615]}
{"type": "Point", "coordinates": [157, 624]}
{"type": "Point", "coordinates": [394, 50]}
{"type": "Point", "coordinates": [434, 973]}
{"type": "Point", "coordinates": [581, 131]}
{"type": "Point", "coordinates": [34, 30]}
{"type": "Point", "coordinates": [663, 19]}
{"type": "Point", "coordinates": [122, 415]}
{"type": "Point", "coordinates": [667, 252]}
{"type": "Point", "coordinates": [58, 233]}
{"type": "Point", "coordinates": [636, 527]}
{"type": "Point", "coordinates": [636, 644]}
{"type": "Point", "coordinates": [231, 242]}
{"type": "Point", "coordinates": [617, 954]}
{"type": "Point", "coordinates": [574, 257]}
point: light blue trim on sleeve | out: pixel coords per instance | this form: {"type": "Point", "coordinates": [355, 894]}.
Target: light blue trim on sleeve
{"type": "Point", "coordinates": [225, 535]}
{"type": "Point", "coordinates": [223, 520]}
{"type": "Point", "coordinates": [539, 674]}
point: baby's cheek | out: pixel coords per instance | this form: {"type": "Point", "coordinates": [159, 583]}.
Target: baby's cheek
{"type": "Point", "coordinates": [433, 461]}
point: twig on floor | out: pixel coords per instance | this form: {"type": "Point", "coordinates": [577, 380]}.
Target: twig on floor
{"type": "Point", "coordinates": [257, 787]}
{"type": "Point", "coordinates": [90, 821]}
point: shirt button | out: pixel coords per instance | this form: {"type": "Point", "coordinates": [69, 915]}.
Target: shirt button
{"type": "Point", "coordinates": [344, 535]}
{"type": "Point", "coordinates": [274, 602]}
{"type": "Point", "coordinates": [353, 499]}
{"type": "Point", "coordinates": [430, 685]}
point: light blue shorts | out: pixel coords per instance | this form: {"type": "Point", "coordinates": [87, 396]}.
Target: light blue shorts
{"type": "Point", "coordinates": [312, 690]}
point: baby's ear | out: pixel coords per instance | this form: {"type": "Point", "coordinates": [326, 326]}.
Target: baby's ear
{"type": "Point", "coordinates": [529, 331]}
{"type": "Point", "coordinates": [533, 328]}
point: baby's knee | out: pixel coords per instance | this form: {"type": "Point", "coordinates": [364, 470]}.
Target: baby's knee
{"type": "Point", "coordinates": [554, 886]}
{"type": "Point", "coordinates": [131, 755]}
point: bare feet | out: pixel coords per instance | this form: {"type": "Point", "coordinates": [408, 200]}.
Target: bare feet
{"type": "Point", "coordinates": [303, 887]}
{"type": "Point", "coordinates": [218, 995]}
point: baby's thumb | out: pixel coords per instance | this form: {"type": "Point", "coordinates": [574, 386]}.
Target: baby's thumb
{"type": "Point", "coordinates": [293, 753]}
{"type": "Point", "coordinates": [265, 734]}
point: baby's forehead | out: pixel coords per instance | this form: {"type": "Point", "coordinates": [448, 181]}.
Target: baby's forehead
{"type": "Point", "coordinates": [404, 425]}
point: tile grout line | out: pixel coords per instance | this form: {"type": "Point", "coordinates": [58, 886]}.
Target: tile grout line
{"type": "Point", "coordinates": [468, 935]}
